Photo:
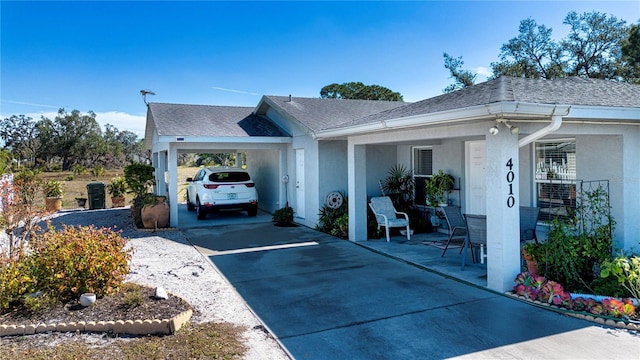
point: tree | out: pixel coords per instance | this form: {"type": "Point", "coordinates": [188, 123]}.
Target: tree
{"type": "Point", "coordinates": [70, 137]}
{"type": "Point", "coordinates": [631, 54]}
{"type": "Point", "coordinates": [597, 46]}
{"type": "Point", "coordinates": [20, 136]}
{"type": "Point", "coordinates": [461, 78]}
{"type": "Point", "coordinates": [594, 45]}
{"type": "Point", "coordinates": [359, 91]}
{"type": "Point", "coordinates": [532, 54]}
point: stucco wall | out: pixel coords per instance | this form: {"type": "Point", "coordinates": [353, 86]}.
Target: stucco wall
{"type": "Point", "coordinates": [332, 168]}
{"type": "Point", "coordinates": [263, 166]}
{"type": "Point", "coordinates": [595, 161]}
{"type": "Point", "coordinates": [380, 158]}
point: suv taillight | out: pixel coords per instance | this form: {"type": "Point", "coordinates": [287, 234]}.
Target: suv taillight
{"type": "Point", "coordinates": [250, 185]}
{"type": "Point", "coordinates": [211, 186]}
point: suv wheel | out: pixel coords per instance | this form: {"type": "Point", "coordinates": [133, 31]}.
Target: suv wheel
{"type": "Point", "coordinates": [252, 211]}
{"type": "Point", "coordinates": [200, 213]}
{"type": "Point", "coordinates": [190, 206]}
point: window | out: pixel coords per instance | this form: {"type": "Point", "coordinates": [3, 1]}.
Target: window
{"type": "Point", "coordinates": [422, 169]}
{"type": "Point", "coordinates": [555, 178]}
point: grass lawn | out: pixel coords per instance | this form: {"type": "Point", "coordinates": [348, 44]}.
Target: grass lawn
{"type": "Point", "coordinates": [75, 186]}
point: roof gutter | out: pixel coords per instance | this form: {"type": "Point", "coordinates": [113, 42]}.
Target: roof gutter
{"type": "Point", "coordinates": [556, 122]}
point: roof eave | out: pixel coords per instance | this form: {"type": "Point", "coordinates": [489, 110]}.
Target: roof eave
{"type": "Point", "coordinates": [477, 112]}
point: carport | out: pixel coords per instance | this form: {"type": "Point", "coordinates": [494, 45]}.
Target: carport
{"type": "Point", "coordinates": [174, 129]}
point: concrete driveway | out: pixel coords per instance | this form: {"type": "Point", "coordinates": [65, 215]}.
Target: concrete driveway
{"type": "Point", "coordinates": [326, 298]}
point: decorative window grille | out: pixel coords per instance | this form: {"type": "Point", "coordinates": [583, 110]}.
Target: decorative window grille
{"type": "Point", "coordinates": [555, 178]}
{"type": "Point", "coordinates": [422, 169]}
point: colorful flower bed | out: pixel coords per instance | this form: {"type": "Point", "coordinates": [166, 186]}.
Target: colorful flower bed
{"type": "Point", "coordinates": [537, 288]}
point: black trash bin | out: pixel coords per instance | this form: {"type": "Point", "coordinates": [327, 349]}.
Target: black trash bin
{"type": "Point", "coordinates": [95, 192]}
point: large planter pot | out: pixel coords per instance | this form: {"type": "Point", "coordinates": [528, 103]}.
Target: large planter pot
{"type": "Point", "coordinates": [155, 216]}
{"type": "Point", "coordinates": [118, 201]}
{"type": "Point", "coordinates": [53, 203]}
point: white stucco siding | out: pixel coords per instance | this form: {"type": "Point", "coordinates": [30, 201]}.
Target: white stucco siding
{"type": "Point", "coordinates": [380, 159]}
{"type": "Point", "coordinates": [631, 206]}
{"type": "Point", "coordinates": [332, 168]}
{"type": "Point", "coordinates": [264, 167]}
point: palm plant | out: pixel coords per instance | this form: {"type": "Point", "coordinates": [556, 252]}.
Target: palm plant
{"type": "Point", "coordinates": [400, 186]}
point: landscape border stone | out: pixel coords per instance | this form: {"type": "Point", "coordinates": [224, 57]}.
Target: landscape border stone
{"type": "Point", "coordinates": [131, 327]}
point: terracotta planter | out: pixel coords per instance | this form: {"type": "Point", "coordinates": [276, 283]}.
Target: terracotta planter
{"type": "Point", "coordinates": [118, 201]}
{"type": "Point", "coordinates": [532, 264]}
{"type": "Point", "coordinates": [155, 216]}
{"type": "Point", "coordinates": [53, 203]}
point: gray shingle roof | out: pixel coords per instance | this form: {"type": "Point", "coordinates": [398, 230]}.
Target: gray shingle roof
{"type": "Point", "coordinates": [567, 91]}
{"type": "Point", "coordinates": [317, 113]}
{"type": "Point", "coordinates": [214, 121]}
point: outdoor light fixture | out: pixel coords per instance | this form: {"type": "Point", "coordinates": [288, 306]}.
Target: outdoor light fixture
{"type": "Point", "coordinates": [512, 128]}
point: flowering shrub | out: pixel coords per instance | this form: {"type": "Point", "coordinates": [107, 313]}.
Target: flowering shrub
{"type": "Point", "coordinates": [76, 260]}
{"type": "Point", "coordinates": [551, 292]}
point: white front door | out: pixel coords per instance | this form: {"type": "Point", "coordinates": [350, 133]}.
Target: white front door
{"type": "Point", "coordinates": [300, 203]}
{"type": "Point", "coordinates": [475, 189]}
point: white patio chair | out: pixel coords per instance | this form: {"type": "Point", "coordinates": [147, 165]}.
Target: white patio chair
{"type": "Point", "coordinates": [386, 215]}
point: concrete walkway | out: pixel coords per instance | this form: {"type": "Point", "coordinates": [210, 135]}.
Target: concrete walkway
{"type": "Point", "coordinates": [326, 298]}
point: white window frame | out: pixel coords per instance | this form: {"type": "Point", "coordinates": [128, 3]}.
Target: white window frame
{"type": "Point", "coordinates": [421, 202]}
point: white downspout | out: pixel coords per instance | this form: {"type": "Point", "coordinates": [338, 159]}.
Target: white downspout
{"type": "Point", "coordinates": [556, 122]}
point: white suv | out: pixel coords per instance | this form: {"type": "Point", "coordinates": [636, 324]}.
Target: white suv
{"type": "Point", "coordinates": [212, 189]}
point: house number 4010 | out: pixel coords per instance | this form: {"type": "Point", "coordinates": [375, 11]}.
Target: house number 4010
{"type": "Point", "coordinates": [511, 200]}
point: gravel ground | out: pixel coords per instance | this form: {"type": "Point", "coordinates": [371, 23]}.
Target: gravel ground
{"type": "Point", "coordinates": [165, 258]}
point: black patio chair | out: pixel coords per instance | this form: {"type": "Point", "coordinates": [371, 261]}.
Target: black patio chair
{"type": "Point", "coordinates": [457, 227]}
{"type": "Point", "coordinates": [477, 232]}
{"type": "Point", "coordinates": [528, 222]}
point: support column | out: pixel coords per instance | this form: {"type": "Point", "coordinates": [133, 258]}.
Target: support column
{"type": "Point", "coordinates": [357, 176]}
{"type": "Point", "coordinates": [503, 211]}
{"type": "Point", "coordinates": [161, 168]}
{"type": "Point", "coordinates": [172, 161]}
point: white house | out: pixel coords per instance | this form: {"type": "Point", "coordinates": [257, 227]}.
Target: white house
{"type": "Point", "coordinates": [552, 136]}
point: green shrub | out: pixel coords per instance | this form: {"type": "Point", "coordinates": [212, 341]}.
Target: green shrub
{"type": "Point", "coordinates": [334, 221]}
{"type": "Point", "coordinates": [341, 227]}
{"type": "Point", "coordinates": [626, 271]}
{"type": "Point", "coordinates": [76, 260]}
{"type": "Point", "coordinates": [575, 250]}
{"type": "Point", "coordinates": [283, 215]}
{"type": "Point", "coordinates": [15, 280]}
{"type": "Point", "coordinates": [78, 169]}
{"type": "Point", "coordinates": [69, 178]}
{"type": "Point", "coordinates": [98, 171]}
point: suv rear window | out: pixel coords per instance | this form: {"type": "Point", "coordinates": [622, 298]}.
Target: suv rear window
{"type": "Point", "coordinates": [232, 176]}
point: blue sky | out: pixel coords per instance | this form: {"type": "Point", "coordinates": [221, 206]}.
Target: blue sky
{"type": "Point", "coordinates": [98, 55]}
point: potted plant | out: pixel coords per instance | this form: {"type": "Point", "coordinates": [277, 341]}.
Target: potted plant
{"type": "Point", "coordinates": [437, 186]}
{"type": "Point", "coordinates": [531, 252]}
{"type": "Point", "coordinates": [82, 201]}
{"type": "Point", "coordinates": [139, 179]}
{"type": "Point", "coordinates": [117, 189]}
{"type": "Point", "coordinates": [154, 212]}
{"type": "Point", "coordinates": [53, 191]}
